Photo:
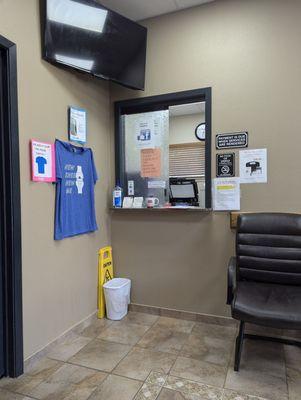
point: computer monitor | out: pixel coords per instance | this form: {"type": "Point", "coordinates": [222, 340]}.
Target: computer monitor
{"type": "Point", "coordinates": [183, 191]}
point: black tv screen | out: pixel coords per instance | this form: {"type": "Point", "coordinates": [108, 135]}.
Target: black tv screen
{"type": "Point", "coordinates": [85, 35]}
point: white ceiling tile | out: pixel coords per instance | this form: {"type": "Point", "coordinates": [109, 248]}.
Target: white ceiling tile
{"type": "Point", "coordinates": [187, 109]}
{"type": "Point", "coordinates": [143, 9]}
{"type": "Point", "coordinates": [140, 9]}
{"type": "Point", "coordinates": [181, 4]}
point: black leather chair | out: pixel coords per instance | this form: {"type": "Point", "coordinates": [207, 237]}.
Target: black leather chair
{"type": "Point", "coordinates": [264, 279]}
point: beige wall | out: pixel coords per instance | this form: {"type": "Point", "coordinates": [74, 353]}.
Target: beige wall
{"type": "Point", "coordinates": [182, 128]}
{"type": "Point", "coordinates": [59, 278]}
{"type": "Point", "coordinates": [249, 53]}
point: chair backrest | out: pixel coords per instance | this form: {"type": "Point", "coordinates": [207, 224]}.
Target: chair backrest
{"type": "Point", "coordinates": [268, 248]}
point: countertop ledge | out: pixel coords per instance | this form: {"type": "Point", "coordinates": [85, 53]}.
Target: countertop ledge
{"type": "Point", "coordinates": [161, 209]}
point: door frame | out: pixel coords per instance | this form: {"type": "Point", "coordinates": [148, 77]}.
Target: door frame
{"type": "Point", "coordinates": [10, 210]}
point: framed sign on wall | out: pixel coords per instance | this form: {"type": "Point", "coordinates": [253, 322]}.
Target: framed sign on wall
{"type": "Point", "coordinates": [225, 165]}
{"type": "Point", "coordinates": [77, 125]}
{"type": "Point", "coordinates": [232, 140]}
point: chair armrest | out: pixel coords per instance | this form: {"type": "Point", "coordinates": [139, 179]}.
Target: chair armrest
{"type": "Point", "coordinates": [232, 274]}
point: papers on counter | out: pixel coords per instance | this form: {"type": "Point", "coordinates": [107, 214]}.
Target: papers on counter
{"type": "Point", "coordinates": [138, 202]}
{"type": "Point", "coordinates": [127, 202]}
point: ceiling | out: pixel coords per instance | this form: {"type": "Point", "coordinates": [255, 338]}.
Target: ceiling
{"type": "Point", "coordinates": [142, 9]}
{"type": "Point", "coordinates": [187, 109]}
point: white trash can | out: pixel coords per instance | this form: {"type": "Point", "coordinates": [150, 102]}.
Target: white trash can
{"type": "Point", "coordinates": [117, 295]}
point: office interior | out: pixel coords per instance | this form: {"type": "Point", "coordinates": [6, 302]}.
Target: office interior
{"type": "Point", "coordinates": [231, 65]}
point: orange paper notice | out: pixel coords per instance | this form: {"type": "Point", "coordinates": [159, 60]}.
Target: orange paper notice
{"type": "Point", "coordinates": [151, 163]}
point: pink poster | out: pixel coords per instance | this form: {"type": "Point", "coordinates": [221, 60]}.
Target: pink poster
{"type": "Point", "coordinates": [42, 161]}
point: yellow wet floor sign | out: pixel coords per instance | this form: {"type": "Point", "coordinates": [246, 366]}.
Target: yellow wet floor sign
{"type": "Point", "coordinates": [105, 274]}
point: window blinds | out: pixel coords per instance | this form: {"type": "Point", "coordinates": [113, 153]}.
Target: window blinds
{"type": "Point", "coordinates": [187, 160]}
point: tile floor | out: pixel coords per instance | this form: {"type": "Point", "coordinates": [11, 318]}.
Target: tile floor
{"type": "Point", "coordinates": [146, 357]}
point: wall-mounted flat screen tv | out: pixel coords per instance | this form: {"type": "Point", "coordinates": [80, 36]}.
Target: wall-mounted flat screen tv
{"type": "Point", "coordinates": [85, 35]}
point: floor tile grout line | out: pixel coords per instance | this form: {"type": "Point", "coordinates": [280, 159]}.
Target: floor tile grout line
{"type": "Point", "coordinates": [126, 322]}
{"type": "Point", "coordinates": [250, 395]}
{"type": "Point", "coordinates": [127, 377]}
{"type": "Point", "coordinates": [68, 360]}
{"type": "Point", "coordinates": [97, 338]}
{"type": "Point", "coordinates": [142, 385]}
{"type": "Point", "coordinates": [127, 344]}
{"type": "Point", "coordinates": [222, 389]}
{"type": "Point", "coordinates": [83, 366]}
{"type": "Point", "coordinates": [178, 352]}
{"type": "Point", "coordinates": [173, 364]}
{"type": "Point", "coordinates": [197, 382]}
{"type": "Point", "coordinates": [229, 363]}
{"type": "Point", "coordinates": [123, 358]}
{"type": "Point", "coordinates": [112, 371]}
{"type": "Point", "coordinates": [136, 346]}
{"type": "Point", "coordinates": [101, 383]}
{"type": "Point", "coordinates": [151, 372]}
{"type": "Point", "coordinates": [45, 380]}
{"type": "Point", "coordinates": [107, 377]}
{"type": "Point", "coordinates": [36, 385]}
{"type": "Point", "coordinates": [55, 359]}
{"type": "Point", "coordinates": [19, 393]}
{"type": "Point", "coordinates": [286, 374]}
{"type": "Point", "coordinates": [194, 381]}
{"type": "Point", "coordinates": [159, 393]}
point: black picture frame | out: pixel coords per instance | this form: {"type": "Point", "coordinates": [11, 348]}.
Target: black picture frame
{"type": "Point", "coordinates": [10, 211]}
{"type": "Point", "coordinates": [157, 103]}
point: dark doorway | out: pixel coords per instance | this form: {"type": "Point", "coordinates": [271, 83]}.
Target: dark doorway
{"type": "Point", "coordinates": [11, 327]}
{"type": "Point", "coordinates": [2, 366]}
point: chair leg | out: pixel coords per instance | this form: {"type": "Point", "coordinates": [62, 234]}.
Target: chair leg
{"type": "Point", "coordinates": [239, 343]}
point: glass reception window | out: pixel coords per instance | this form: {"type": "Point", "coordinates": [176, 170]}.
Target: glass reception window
{"type": "Point", "coordinates": [163, 150]}
{"type": "Point", "coordinates": [146, 141]}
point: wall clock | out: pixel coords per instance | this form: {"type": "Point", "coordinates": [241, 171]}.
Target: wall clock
{"type": "Point", "coordinates": [200, 131]}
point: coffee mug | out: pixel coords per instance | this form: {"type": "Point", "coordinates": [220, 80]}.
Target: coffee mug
{"type": "Point", "coordinates": [152, 202]}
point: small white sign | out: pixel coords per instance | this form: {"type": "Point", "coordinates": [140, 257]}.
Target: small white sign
{"type": "Point", "coordinates": [156, 184]}
{"type": "Point", "coordinates": [149, 129]}
{"type": "Point", "coordinates": [131, 188]}
{"type": "Point", "coordinates": [145, 133]}
{"type": "Point", "coordinates": [226, 194]}
{"type": "Point", "coordinates": [253, 166]}
{"type": "Point", "coordinates": [77, 125]}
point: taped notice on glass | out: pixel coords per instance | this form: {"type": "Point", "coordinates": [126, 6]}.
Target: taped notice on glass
{"type": "Point", "coordinates": [145, 132]}
{"type": "Point", "coordinates": [226, 194]}
{"type": "Point", "coordinates": [156, 184]}
{"type": "Point", "coordinates": [151, 163]}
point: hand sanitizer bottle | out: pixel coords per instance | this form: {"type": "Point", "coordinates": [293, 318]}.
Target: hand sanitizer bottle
{"type": "Point", "coordinates": [117, 196]}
